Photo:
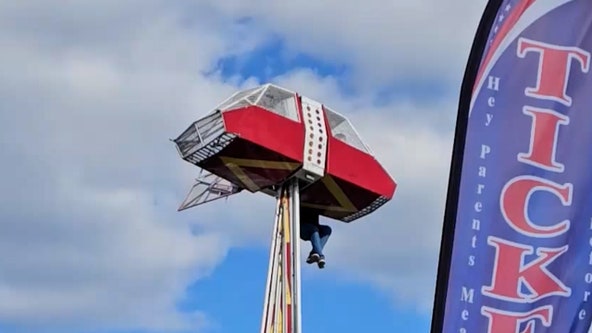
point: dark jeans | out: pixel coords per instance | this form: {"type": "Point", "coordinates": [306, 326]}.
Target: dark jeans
{"type": "Point", "coordinates": [316, 234]}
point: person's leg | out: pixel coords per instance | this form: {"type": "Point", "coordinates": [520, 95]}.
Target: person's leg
{"type": "Point", "coordinates": [324, 233]}
{"type": "Point", "coordinates": [309, 220]}
{"type": "Point", "coordinates": [310, 233]}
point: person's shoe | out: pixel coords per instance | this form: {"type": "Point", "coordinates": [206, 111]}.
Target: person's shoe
{"type": "Point", "coordinates": [321, 262]}
{"type": "Point", "coordinates": [312, 257]}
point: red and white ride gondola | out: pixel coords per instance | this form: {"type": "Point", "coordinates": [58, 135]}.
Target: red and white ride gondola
{"type": "Point", "coordinates": [272, 140]}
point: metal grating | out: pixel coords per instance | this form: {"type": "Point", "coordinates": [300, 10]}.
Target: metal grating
{"type": "Point", "coordinates": [203, 139]}
{"type": "Point", "coordinates": [211, 149]}
{"type": "Point", "coordinates": [366, 210]}
{"type": "Point", "coordinates": [208, 187]}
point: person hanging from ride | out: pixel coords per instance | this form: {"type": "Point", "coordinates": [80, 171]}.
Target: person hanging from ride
{"type": "Point", "coordinates": [318, 234]}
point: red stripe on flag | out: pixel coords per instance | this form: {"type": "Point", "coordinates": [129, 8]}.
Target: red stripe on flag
{"type": "Point", "coordinates": [515, 15]}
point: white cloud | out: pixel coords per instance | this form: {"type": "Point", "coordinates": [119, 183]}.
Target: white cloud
{"type": "Point", "coordinates": [93, 91]}
{"type": "Point", "coordinates": [384, 41]}
{"type": "Point", "coordinates": [88, 223]}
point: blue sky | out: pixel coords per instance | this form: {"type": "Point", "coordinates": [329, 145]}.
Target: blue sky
{"type": "Point", "coordinates": [272, 59]}
{"type": "Point", "coordinates": [93, 91]}
{"type": "Point", "coordinates": [328, 305]}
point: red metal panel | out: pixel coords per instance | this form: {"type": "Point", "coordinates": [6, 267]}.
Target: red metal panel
{"type": "Point", "coordinates": [359, 168]}
{"type": "Point", "coordinates": [266, 136]}
{"type": "Point", "coordinates": [267, 129]}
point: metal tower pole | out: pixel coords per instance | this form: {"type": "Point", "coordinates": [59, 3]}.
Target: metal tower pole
{"type": "Point", "coordinates": [281, 308]}
{"type": "Point", "coordinates": [270, 286]}
{"type": "Point", "coordinates": [295, 220]}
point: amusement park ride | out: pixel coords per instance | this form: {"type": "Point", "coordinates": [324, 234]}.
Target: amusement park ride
{"type": "Point", "coordinates": [271, 140]}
